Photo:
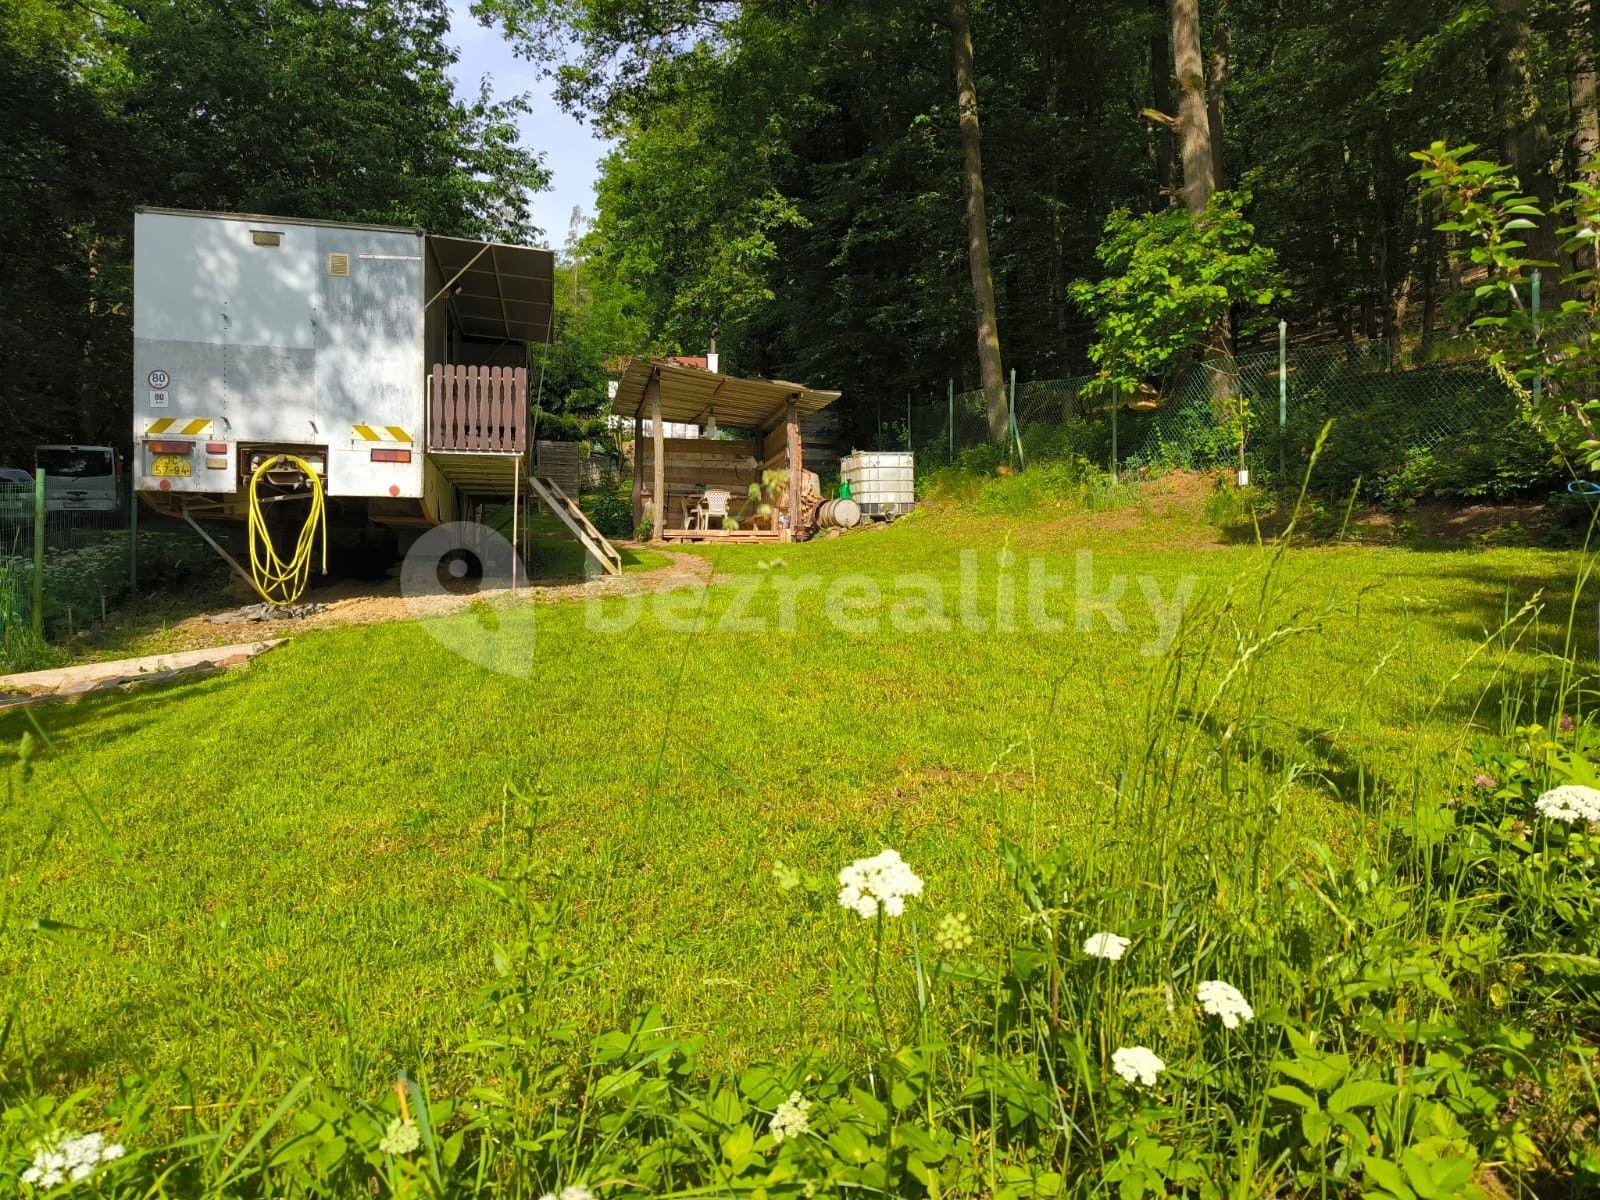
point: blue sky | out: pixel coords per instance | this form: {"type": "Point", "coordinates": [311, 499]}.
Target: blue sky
{"type": "Point", "coordinates": [571, 150]}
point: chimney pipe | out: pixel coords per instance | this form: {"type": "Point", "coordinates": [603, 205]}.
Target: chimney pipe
{"type": "Point", "coordinates": [711, 356]}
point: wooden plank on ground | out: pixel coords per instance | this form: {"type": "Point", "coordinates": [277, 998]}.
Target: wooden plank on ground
{"type": "Point", "coordinates": [61, 683]}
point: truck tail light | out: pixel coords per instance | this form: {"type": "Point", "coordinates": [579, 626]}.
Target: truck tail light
{"type": "Point", "coordinates": [216, 447]}
{"type": "Point", "coordinates": [394, 456]}
{"type": "Point", "coordinates": [170, 447]}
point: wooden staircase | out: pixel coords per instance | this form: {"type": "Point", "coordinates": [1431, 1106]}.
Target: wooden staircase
{"type": "Point", "coordinates": [565, 507]}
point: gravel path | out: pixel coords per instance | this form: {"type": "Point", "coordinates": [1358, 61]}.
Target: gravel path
{"type": "Point", "coordinates": [373, 602]}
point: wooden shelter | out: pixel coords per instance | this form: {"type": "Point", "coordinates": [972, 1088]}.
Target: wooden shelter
{"type": "Point", "coordinates": [680, 471]}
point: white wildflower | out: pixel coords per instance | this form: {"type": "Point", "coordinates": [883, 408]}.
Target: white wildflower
{"type": "Point", "coordinates": [73, 1158]}
{"type": "Point", "coordinates": [791, 1119]}
{"type": "Point", "coordinates": [1106, 945]}
{"type": "Point", "coordinates": [571, 1192]}
{"type": "Point", "coordinates": [1137, 1064]}
{"type": "Point", "coordinates": [401, 1138]}
{"type": "Point", "coordinates": [1226, 1001]}
{"type": "Point", "coordinates": [1571, 803]}
{"type": "Point", "coordinates": [882, 880]}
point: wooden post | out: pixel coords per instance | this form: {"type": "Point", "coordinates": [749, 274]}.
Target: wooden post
{"type": "Point", "coordinates": [658, 477]}
{"type": "Point", "coordinates": [793, 455]}
{"type": "Point", "coordinates": [638, 467]}
{"type": "Point", "coordinates": [516, 513]}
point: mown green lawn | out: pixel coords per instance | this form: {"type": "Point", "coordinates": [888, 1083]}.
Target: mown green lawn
{"type": "Point", "coordinates": [301, 844]}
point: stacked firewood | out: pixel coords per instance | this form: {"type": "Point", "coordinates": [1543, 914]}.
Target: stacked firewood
{"type": "Point", "coordinates": [810, 501]}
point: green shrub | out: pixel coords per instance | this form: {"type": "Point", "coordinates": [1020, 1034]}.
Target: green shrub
{"type": "Point", "coordinates": [1385, 433]}
{"type": "Point", "coordinates": [20, 648]}
{"type": "Point", "coordinates": [1073, 438]}
{"type": "Point", "coordinates": [1488, 460]}
{"type": "Point", "coordinates": [1069, 484]}
{"type": "Point", "coordinates": [1233, 508]}
{"type": "Point", "coordinates": [611, 512]}
{"type": "Point", "coordinates": [84, 579]}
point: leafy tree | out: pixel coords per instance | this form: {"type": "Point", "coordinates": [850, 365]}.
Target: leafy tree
{"type": "Point", "coordinates": [1170, 280]}
{"type": "Point", "coordinates": [1551, 357]}
{"type": "Point", "coordinates": [325, 109]}
{"type": "Point", "coordinates": [701, 253]}
{"type": "Point", "coordinates": [598, 320]}
{"type": "Point", "coordinates": [319, 108]}
{"type": "Point", "coordinates": [792, 177]}
{"type": "Point", "coordinates": [66, 162]}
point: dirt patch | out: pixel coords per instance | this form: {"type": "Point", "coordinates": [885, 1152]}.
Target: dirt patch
{"type": "Point", "coordinates": [1522, 523]}
{"type": "Point", "coordinates": [1181, 489]}
{"type": "Point", "coordinates": [372, 602]}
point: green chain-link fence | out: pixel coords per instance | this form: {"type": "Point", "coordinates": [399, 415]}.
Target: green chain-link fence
{"type": "Point", "coordinates": [1386, 413]}
{"type": "Point", "coordinates": [62, 574]}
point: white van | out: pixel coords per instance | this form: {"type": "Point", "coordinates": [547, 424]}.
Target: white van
{"type": "Point", "coordinates": [79, 478]}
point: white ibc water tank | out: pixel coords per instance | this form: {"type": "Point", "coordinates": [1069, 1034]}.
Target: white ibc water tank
{"type": "Point", "coordinates": [882, 482]}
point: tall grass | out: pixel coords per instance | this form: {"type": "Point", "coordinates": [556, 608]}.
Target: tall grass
{"type": "Point", "coordinates": [1064, 485]}
{"type": "Point", "coordinates": [1424, 1001]}
{"type": "Point", "coordinates": [21, 649]}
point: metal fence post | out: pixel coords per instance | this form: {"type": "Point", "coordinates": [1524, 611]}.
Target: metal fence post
{"type": "Point", "coordinates": [38, 551]}
{"type": "Point", "coordinates": [951, 400]}
{"type": "Point", "coordinates": [1538, 378]}
{"type": "Point", "coordinates": [1283, 394]}
{"type": "Point", "coordinates": [133, 538]}
{"type": "Point", "coordinates": [1116, 403]}
{"type": "Point", "coordinates": [1016, 427]}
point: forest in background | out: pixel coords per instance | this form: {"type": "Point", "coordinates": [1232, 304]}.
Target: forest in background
{"type": "Point", "coordinates": [790, 175]}
{"type": "Point", "coordinates": [787, 177]}
{"type": "Point", "coordinates": [301, 108]}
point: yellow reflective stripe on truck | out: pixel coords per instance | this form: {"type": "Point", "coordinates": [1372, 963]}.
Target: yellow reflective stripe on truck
{"type": "Point", "coordinates": [193, 427]}
{"type": "Point", "coordinates": [380, 433]}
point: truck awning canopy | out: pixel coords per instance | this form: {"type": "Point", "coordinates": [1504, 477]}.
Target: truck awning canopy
{"type": "Point", "coordinates": [494, 289]}
{"type": "Point", "coordinates": [689, 395]}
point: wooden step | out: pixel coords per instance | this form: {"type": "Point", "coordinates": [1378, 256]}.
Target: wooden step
{"type": "Point", "coordinates": [565, 507]}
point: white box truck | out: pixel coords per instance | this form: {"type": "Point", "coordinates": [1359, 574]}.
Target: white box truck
{"type": "Point", "coordinates": [391, 361]}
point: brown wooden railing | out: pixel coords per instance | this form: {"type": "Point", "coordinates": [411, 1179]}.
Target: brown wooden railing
{"type": "Point", "coordinates": [478, 408]}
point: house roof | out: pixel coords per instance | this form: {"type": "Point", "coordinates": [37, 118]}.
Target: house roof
{"type": "Point", "coordinates": [689, 394]}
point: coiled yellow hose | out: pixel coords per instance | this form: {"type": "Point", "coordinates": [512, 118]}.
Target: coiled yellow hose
{"type": "Point", "coordinates": [282, 581]}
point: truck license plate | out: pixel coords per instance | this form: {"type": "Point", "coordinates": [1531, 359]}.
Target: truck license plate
{"type": "Point", "coordinates": [170, 464]}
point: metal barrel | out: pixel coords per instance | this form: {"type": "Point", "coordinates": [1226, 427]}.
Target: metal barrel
{"type": "Point", "coordinates": [838, 514]}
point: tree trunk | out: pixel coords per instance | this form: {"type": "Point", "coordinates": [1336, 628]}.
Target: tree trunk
{"type": "Point", "coordinates": [1585, 98]}
{"type": "Point", "coordinates": [1199, 181]}
{"type": "Point", "coordinates": [994, 391]}
{"type": "Point", "coordinates": [1585, 94]}
{"type": "Point", "coordinates": [1524, 129]}
{"type": "Point", "coordinates": [1430, 289]}
{"type": "Point", "coordinates": [1194, 126]}
{"type": "Point", "coordinates": [1217, 92]}
{"type": "Point", "coordinates": [1052, 108]}
{"type": "Point", "coordinates": [1161, 93]}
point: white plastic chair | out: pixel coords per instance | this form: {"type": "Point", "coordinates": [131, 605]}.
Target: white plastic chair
{"type": "Point", "coordinates": [713, 505]}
